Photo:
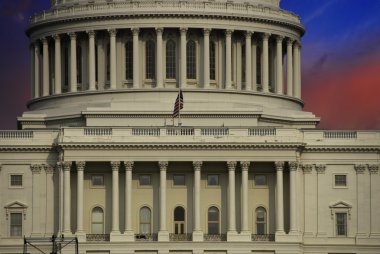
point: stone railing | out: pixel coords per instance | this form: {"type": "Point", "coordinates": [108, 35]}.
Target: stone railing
{"type": "Point", "coordinates": [262, 132]}
{"type": "Point", "coordinates": [214, 131]}
{"type": "Point", "coordinates": [97, 132]}
{"type": "Point", "coordinates": [340, 134]}
{"type": "Point", "coordinates": [263, 238]}
{"type": "Point", "coordinates": [180, 237]}
{"type": "Point", "coordinates": [146, 132]}
{"type": "Point", "coordinates": [146, 237]}
{"type": "Point", "coordinates": [40, 138]}
{"type": "Point", "coordinates": [16, 134]}
{"type": "Point", "coordinates": [214, 238]}
{"type": "Point", "coordinates": [97, 237]}
{"type": "Point", "coordinates": [180, 131]}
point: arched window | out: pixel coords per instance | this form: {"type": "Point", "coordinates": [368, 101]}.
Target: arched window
{"type": "Point", "coordinates": [212, 61]}
{"type": "Point", "coordinates": [79, 64]}
{"type": "Point", "coordinates": [150, 58]}
{"type": "Point", "coordinates": [145, 220]}
{"type": "Point", "coordinates": [97, 221]}
{"type": "Point", "coordinates": [171, 60]}
{"type": "Point", "coordinates": [191, 60]}
{"type": "Point", "coordinates": [129, 60]}
{"type": "Point", "coordinates": [213, 220]}
{"type": "Point", "coordinates": [179, 220]}
{"type": "Point", "coordinates": [261, 221]}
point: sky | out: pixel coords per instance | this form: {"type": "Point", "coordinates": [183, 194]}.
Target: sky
{"type": "Point", "coordinates": [340, 60]}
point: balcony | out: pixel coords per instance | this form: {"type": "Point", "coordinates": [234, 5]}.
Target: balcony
{"type": "Point", "coordinates": [97, 237]}
{"type": "Point", "coordinates": [263, 238]}
{"type": "Point", "coordinates": [215, 238]}
{"type": "Point", "coordinates": [180, 237]}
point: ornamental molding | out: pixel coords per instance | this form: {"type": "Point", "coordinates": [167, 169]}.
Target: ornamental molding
{"type": "Point", "coordinates": [49, 169]}
{"type": "Point", "coordinates": [245, 165]}
{"type": "Point", "coordinates": [279, 165]}
{"type": "Point", "coordinates": [128, 165]}
{"type": "Point", "coordinates": [340, 206]}
{"type": "Point", "coordinates": [197, 165]}
{"type": "Point", "coordinates": [373, 169]}
{"type": "Point", "coordinates": [80, 165]}
{"type": "Point", "coordinates": [293, 165]}
{"type": "Point", "coordinates": [320, 168]}
{"type": "Point", "coordinates": [307, 168]}
{"type": "Point", "coordinates": [163, 165]}
{"type": "Point", "coordinates": [231, 165]}
{"type": "Point", "coordinates": [67, 165]}
{"type": "Point", "coordinates": [184, 115]}
{"type": "Point", "coordinates": [115, 165]}
{"type": "Point", "coordinates": [360, 168]}
{"type": "Point", "coordinates": [15, 206]}
{"type": "Point", "coordinates": [24, 148]}
{"type": "Point", "coordinates": [342, 149]}
{"type": "Point", "coordinates": [36, 168]}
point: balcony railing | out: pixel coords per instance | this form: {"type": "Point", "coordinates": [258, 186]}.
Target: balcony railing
{"type": "Point", "coordinates": [180, 237]}
{"type": "Point", "coordinates": [16, 134]}
{"type": "Point", "coordinates": [98, 132]}
{"type": "Point", "coordinates": [215, 238]}
{"type": "Point", "coordinates": [97, 237]}
{"type": "Point", "coordinates": [180, 131]}
{"type": "Point", "coordinates": [262, 132]}
{"type": "Point", "coordinates": [340, 134]}
{"type": "Point", "coordinates": [263, 238]}
{"type": "Point", "coordinates": [146, 237]}
{"type": "Point", "coordinates": [214, 131]}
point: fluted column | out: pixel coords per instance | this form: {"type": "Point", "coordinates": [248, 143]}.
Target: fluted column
{"type": "Point", "coordinates": [73, 62]}
{"type": "Point", "coordinates": [136, 57]}
{"type": "Point", "coordinates": [293, 196]}
{"type": "Point", "coordinates": [279, 66]}
{"type": "Point", "coordinates": [298, 77]}
{"type": "Point", "coordinates": [289, 67]}
{"type": "Point", "coordinates": [91, 60]}
{"type": "Point", "coordinates": [80, 176]}
{"type": "Point", "coordinates": [266, 62]}
{"type": "Point", "coordinates": [254, 65]}
{"type": "Point", "coordinates": [244, 195]}
{"type": "Point", "coordinates": [36, 208]}
{"type": "Point", "coordinates": [115, 197]}
{"type": "Point", "coordinates": [57, 76]}
{"type": "Point", "coordinates": [50, 197]}
{"type": "Point", "coordinates": [231, 197]}
{"type": "Point", "coordinates": [228, 59]}
{"type": "Point", "coordinates": [279, 198]}
{"type": "Point", "coordinates": [163, 234]}
{"type": "Point", "coordinates": [66, 198]}
{"type": "Point", "coordinates": [206, 57]}
{"type": "Point", "coordinates": [112, 33]}
{"type": "Point", "coordinates": [295, 69]}
{"type": "Point", "coordinates": [45, 86]}
{"type": "Point", "coordinates": [159, 63]}
{"type": "Point", "coordinates": [183, 32]}
{"type": "Point", "coordinates": [128, 200]}
{"type": "Point", "coordinates": [374, 199]}
{"type": "Point", "coordinates": [248, 61]}
{"type": "Point", "coordinates": [36, 85]}
{"type": "Point", "coordinates": [197, 233]}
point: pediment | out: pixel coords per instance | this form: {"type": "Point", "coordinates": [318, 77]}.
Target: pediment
{"type": "Point", "coordinates": [16, 205]}
{"type": "Point", "coordinates": [341, 204]}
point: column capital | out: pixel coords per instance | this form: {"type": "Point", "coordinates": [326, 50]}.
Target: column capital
{"type": "Point", "coordinates": [115, 165]}
{"type": "Point", "coordinates": [373, 169]}
{"type": "Point", "coordinates": [298, 44]}
{"type": "Point", "coordinates": [360, 168]}
{"type": "Point", "coordinates": [266, 36]}
{"type": "Point", "coordinates": [248, 34]}
{"type": "Point", "coordinates": [321, 168]}
{"type": "Point", "coordinates": [163, 165]}
{"type": "Point", "coordinates": [293, 165]}
{"type": "Point", "coordinates": [245, 165]}
{"type": "Point", "coordinates": [228, 32]}
{"type": "Point", "coordinates": [159, 30]}
{"type": "Point", "coordinates": [80, 165]}
{"type": "Point", "coordinates": [44, 40]}
{"type": "Point", "coordinates": [307, 168]}
{"type": "Point", "coordinates": [290, 41]}
{"type": "Point", "coordinates": [91, 33]}
{"type": "Point", "coordinates": [279, 38]}
{"type": "Point", "coordinates": [112, 32]}
{"type": "Point", "coordinates": [206, 31]}
{"type": "Point", "coordinates": [279, 165]}
{"type": "Point", "coordinates": [49, 169]}
{"type": "Point", "coordinates": [56, 37]}
{"type": "Point", "coordinates": [183, 30]}
{"type": "Point", "coordinates": [72, 35]}
{"type": "Point", "coordinates": [36, 168]}
{"type": "Point", "coordinates": [66, 165]}
{"type": "Point", "coordinates": [128, 165]}
{"type": "Point", "coordinates": [197, 165]}
{"type": "Point", "coordinates": [231, 165]}
{"type": "Point", "coordinates": [135, 30]}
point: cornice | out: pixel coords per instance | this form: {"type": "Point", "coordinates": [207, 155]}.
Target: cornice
{"type": "Point", "coordinates": [341, 149]}
{"type": "Point", "coordinates": [183, 115]}
{"type": "Point", "coordinates": [27, 149]}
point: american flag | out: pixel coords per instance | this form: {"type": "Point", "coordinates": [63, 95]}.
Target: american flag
{"type": "Point", "coordinates": [178, 105]}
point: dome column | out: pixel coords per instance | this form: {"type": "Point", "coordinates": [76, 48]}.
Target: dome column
{"type": "Point", "coordinates": [91, 60]}
{"type": "Point", "coordinates": [265, 63]}
{"type": "Point", "coordinates": [159, 63]}
{"type": "Point", "coordinates": [279, 66]}
{"type": "Point", "coordinates": [112, 33]}
{"type": "Point", "coordinates": [45, 86]}
{"type": "Point", "coordinates": [228, 83]}
{"type": "Point", "coordinates": [136, 69]}
{"type": "Point", "coordinates": [248, 61]}
{"type": "Point", "coordinates": [58, 69]}
{"type": "Point", "coordinates": [183, 80]}
{"type": "Point", "coordinates": [254, 65]}
{"type": "Point", "coordinates": [298, 72]}
{"type": "Point", "coordinates": [206, 57]}
{"type": "Point", "coordinates": [73, 62]}
{"type": "Point", "coordinates": [289, 68]}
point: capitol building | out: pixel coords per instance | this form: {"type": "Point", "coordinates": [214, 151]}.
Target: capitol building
{"type": "Point", "coordinates": [99, 156]}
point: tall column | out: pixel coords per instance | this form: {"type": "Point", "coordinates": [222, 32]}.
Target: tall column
{"type": "Point", "coordinates": [279, 67]}
{"type": "Point", "coordinates": [36, 208]}
{"type": "Point", "coordinates": [49, 213]}
{"type": "Point", "coordinates": [159, 63]}
{"type": "Point", "coordinates": [322, 224]}
{"type": "Point", "coordinates": [293, 197]}
{"type": "Point", "coordinates": [197, 232]}
{"type": "Point", "coordinates": [279, 198]}
{"type": "Point", "coordinates": [206, 57]}
{"type": "Point", "coordinates": [375, 200]}
{"type": "Point", "coordinates": [231, 199]}
{"type": "Point", "coordinates": [266, 62]}
{"type": "Point", "coordinates": [66, 198]}
{"type": "Point", "coordinates": [45, 86]}
{"type": "Point", "coordinates": [310, 208]}
{"type": "Point", "coordinates": [128, 201]}
{"type": "Point", "coordinates": [36, 87]}
{"type": "Point", "coordinates": [254, 65]}
{"type": "Point", "coordinates": [183, 79]}
{"type": "Point", "coordinates": [136, 57]}
{"type": "Point", "coordinates": [115, 198]}
{"type": "Point", "coordinates": [80, 176]}
{"type": "Point", "coordinates": [73, 62]}
{"type": "Point", "coordinates": [57, 76]}
{"type": "Point", "coordinates": [244, 196]}
{"type": "Point", "coordinates": [289, 67]}
{"type": "Point", "coordinates": [91, 60]}
{"type": "Point", "coordinates": [112, 33]}
{"type": "Point", "coordinates": [295, 69]}
{"type": "Point", "coordinates": [298, 77]}
{"type": "Point", "coordinates": [228, 59]}
{"type": "Point", "coordinates": [363, 204]}
{"type": "Point", "coordinates": [163, 234]}
{"type": "Point", "coordinates": [248, 61]}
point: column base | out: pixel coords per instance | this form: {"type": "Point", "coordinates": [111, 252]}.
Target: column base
{"type": "Point", "coordinates": [232, 236]}
{"type": "Point", "coordinates": [81, 236]}
{"type": "Point", "coordinates": [163, 236]}
{"type": "Point", "coordinates": [116, 236]}
{"type": "Point", "coordinates": [129, 236]}
{"type": "Point", "coordinates": [245, 236]}
{"type": "Point", "coordinates": [197, 236]}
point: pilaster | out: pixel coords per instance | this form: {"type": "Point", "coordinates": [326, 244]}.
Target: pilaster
{"type": "Point", "coordinates": [49, 220]}
{"type": "Point", "coordinates": [36, 200]}
{"type": "Point", "coordinates": [66, 198]}
{"type": "Point", "coordinates": [228, 82]}
{"type": "Point", "coordinates": [289, 67]}
{"type": "Point", "coordinates": [245, 234]}
{"type": "Point", "coordinates": [321, 217]}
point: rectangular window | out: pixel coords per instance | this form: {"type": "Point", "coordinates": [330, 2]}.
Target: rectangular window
{"type": "Point", "coordinates": [260, 180]}
{"type": "Point", "coordinates": [97, 180]}
{"type": "Point", "coordinates": [341, 224]}
{"type": "Point", "coordinates": [16, 180]}
{"type": "Point", "coordinates": [340, 180]}
{"type": "Point", "coordinates": [144, 180]}
{"type": "Point", "coordinates": [178, 180]}
{"type": "Point", "coordinates": [213, 180]}
{"type": "Point", "coordinates": [16, 224]}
